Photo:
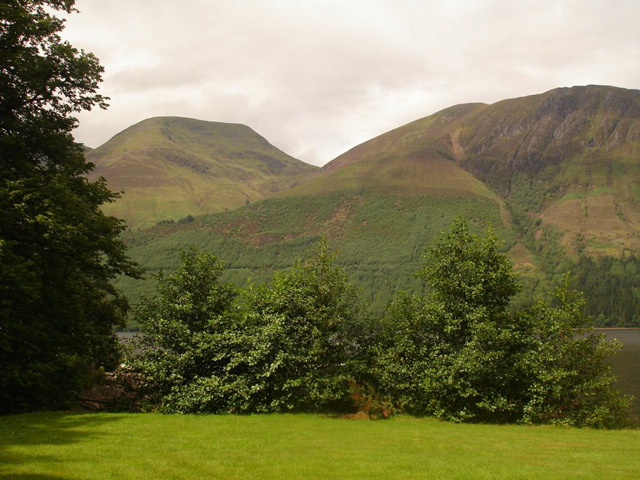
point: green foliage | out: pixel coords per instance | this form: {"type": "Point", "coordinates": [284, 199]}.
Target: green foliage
{"type": "Point", "coordinates": [612, 289]}
{"type": "Point", "coordinates": [378, 237]}
{"type": "Point", "coordinates": [451, 351]}
{"type": "Point", "coordinates": [525, 193]}
{"type": "Point", "coordinates": [287, 347]}
{"type": "Point", "coordinates": [303, 343]}
{"type": "Point", "coordinates": [190, 339]}
{"type": "Point", "coordinates": [58, 251]}
{"type": "Point", "coordinates": [565, 369]}
{"type": "Point", "coordinates": [467, 273]}
{"type": "Point", "coordinates": [305, 336]}
{"type": "Point", "coordinates": [611, 285]}
{"type": "Point", "coordinates": [460, 354]}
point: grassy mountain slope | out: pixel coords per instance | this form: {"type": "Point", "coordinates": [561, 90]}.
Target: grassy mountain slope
{"type": "Point", "coordinates": [556, 174]}
{"type": "Point", "coordinates": [380, 237]}
{"type": "Point", "coordinates": [379, 204]}
{"type": "Point", "coordinates": [171, 167]}
{"type": "Point", "coordinates": [407, 160]}
{"type": "Point", "coordinates": [569, 157]}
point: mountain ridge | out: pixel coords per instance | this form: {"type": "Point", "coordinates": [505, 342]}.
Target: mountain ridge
{"type": "Point", "coordinates": [557, 175]}
{"type": "Point", "coordinates": [568, 157]}
{"type": "Point", "coordinates": [405, 160]}
{"type": "Point", "coordinates": [171, 167]}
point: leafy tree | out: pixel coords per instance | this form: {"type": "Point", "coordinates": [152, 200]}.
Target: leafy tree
{"type": "Point", "coordinates": [565, 368]}
{"type": "Point", "coordinates": [460, 354]}
{"type": "Point", "coordinates": [58, 251]}
{"type": "Point", "coordinates": [307, 336]}
{"type": "Point", "coordinates": [192, 332]}
{"type": "Point", "coordinates": [450, 352]}
{"type": "Point", "coordinates": [288, 346]}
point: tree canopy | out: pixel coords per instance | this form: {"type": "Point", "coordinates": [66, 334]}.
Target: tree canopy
{"type": "Point", "coordinates": [460, 353]}
{"type": "Point", "coordinates": [284, 346]}
{"type": "Point", "coordinates": [301, 342]}
{"type": "Point", "coordinates": [58, 251]}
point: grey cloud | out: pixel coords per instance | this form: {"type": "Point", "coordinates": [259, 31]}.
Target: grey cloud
{"type": "Point", "coordinates": [317, 77]}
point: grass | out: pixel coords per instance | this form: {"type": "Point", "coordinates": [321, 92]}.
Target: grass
{"type": "Point", "coordinates": [79, 446]}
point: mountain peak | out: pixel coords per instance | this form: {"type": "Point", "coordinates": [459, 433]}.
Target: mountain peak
{"type": "Point", "coordinates": [171, 167]}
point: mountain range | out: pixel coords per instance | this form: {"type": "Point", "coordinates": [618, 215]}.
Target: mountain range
{"type": "Point", "coordinates": [556, 174]}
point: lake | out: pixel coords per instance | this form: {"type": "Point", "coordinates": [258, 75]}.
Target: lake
{"type": "Point", "coordinates": [627, 364]}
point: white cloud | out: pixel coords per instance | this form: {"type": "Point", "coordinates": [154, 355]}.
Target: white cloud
{"type": "Point", "coordinates": [318, 77]}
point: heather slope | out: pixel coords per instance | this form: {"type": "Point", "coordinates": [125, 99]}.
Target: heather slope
{"type": "Point", "coordinates": [569, 157]}
{"type": "Point", "coordinates": [408, 160]}
{"type": "Point", "coordinates": [171, 167]}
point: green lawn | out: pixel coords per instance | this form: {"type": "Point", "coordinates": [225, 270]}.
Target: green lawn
{"type": "Point", "coordinates": [81, 446]}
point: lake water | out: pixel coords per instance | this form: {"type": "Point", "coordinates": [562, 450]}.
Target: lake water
{"type": "Point", "coordinates": [627, 364]}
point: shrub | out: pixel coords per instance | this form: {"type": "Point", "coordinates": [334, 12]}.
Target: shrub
{"type": "Point", "coordinates": [459, 354]}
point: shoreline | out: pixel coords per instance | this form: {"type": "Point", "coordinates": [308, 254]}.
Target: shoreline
{"type": "Point", "coordinates": [616, 328]}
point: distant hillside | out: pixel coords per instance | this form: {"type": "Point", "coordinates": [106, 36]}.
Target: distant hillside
{"type": "Point", "coordinates": [171, 167]}
{"type": "Point", "coordinates": [407, 160]}
{"type": "Point", "coordinates": [380, 237]}
{"type": "Point", "coordinates": [569, 157]}
{"type": "Point", "coordinates": [557, 175]}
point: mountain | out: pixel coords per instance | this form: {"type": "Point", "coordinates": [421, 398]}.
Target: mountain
{"type": "Point", "coordinates": [569, 158]}
{"type": "Point", "coordinates": [170, 167]}
{"type": "Point", "coordinates": [407, 160]}
{"type": "Point", "coordinates": [379, 205]}
{"type": "Point", "coordinates": [555, 174]}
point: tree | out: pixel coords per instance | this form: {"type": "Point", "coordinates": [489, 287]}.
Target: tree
{"type": "Point", "coordinates": [306, 336]}
{"type": "Point", "coordinates": [192, 333]}
{"type": "Point", "coordinates": [565, 368]}
{"type": "Point", "coordinates": [460, 354]}
{"type": "Point", "coordinates": [450, 354]}
{"type": "Point", "coordinates": [58, 251]}
{"type": "Point", "coordinates": [286, 346]}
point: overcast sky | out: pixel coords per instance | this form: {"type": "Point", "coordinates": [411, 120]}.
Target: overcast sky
{"type": "Point", "coordinates": [319, 77]}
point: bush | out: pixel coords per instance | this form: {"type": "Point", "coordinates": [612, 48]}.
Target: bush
{"type": "Point", "coordinates": [184, 363]}
{"type": "Point", "coordinates": [288, 347]}
{"type": "Point", "coordinates": [459, 354]}
{"type": "Point", "coordinates": [304, 342]}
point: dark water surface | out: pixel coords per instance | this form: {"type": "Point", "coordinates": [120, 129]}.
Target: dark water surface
{"type": "Point", "coordinates": [627, 364]}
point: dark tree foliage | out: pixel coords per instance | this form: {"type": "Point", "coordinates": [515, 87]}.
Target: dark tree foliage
{"type": "Point", "coordinates": [301, 343]}
{"type": "Point", "coordinates": [306, 338]}
{"type": "Point", "coordinates": [449, 354]}
{"type": "Point", "coordinates": [192, 333]}
{"type": "Point", "coordinates": [288, 346]}
{"type": "Point", "coordinates": [58, 251]}
{"type": "Point", "coordinates": [564, 369]}
{"type": "Point", "coordinates": [612, 289]}
{"type": "Point", "coordinates": [460, 354]}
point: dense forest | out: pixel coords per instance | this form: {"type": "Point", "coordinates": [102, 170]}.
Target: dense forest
{"type": "Point", "coordinates": [380, 240]}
